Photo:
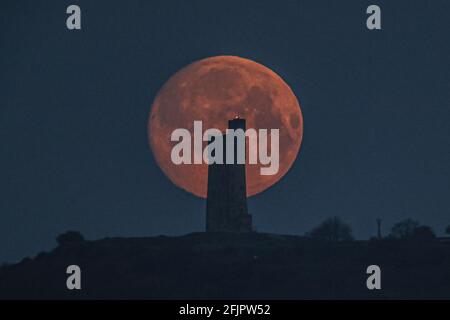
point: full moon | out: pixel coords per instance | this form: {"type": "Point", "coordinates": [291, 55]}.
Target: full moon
{"type": "Point", "coordinates": [215, 90]}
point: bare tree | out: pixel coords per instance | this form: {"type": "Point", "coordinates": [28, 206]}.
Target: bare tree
{"type": "Point", "coordinates": [69, 237]}
{"type": "Point", "coordinates": [411, 229]}
{"type": "Point", "coordinates": [404, 229]}
{"type": "Point", "coordinates": [332, 229]}
{"type": "Point", "coordinates": [424, 233]}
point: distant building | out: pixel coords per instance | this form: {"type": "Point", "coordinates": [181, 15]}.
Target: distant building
{"type": "Point", "coordinates": [226, 204]}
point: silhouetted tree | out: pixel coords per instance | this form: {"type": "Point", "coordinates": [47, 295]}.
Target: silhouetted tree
{"type": "Point", "coordinates": [332, 229]}
{"type": "Point", "coordinates": [411, 229]}
{"type": "Point", "coordinates": [447, 231]}
{"type": "Point", "coordinates": [69, 237]}
{"type": "Point", "coordinates": [404, 229]}
{"type": "Point", "coordinates": [423, 233]}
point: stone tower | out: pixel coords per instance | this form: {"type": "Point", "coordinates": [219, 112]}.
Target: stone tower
{"type": "Point", "coordinates": [226, 204]}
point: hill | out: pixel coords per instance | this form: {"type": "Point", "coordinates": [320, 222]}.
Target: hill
{"type": "Point", "coordinates": [236, 266]}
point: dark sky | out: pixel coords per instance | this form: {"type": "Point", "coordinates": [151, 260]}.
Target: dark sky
{"type": "Point", "coordinates": [74, 107]}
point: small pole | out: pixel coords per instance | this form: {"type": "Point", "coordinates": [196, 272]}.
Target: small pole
{"type": "Point", "coordinates": [379, 228]}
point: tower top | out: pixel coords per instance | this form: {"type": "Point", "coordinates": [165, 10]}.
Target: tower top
{"type": "Point", "coordinates": [236, 123]}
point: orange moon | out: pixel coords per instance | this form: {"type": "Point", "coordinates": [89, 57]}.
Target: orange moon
{"type": "Point", "coordinates": [215, 90]}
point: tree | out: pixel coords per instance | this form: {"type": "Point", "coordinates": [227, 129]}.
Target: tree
{"type": "Point", "coordinates": [411, 229]}
{"type": "Point", "coordinates": [404, 229]}
{"type": "Point", "coordinates": [423, 233]}
{"type": "Point", "coordinates": [447, 231]}
{"type": "Point", "coordinates": [332, 229]}
{"type": "Point", "coordinates": [69, 237]}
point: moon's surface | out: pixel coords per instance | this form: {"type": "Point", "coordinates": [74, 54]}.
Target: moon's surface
{"type": "Point", "coordinates": [215, 90]}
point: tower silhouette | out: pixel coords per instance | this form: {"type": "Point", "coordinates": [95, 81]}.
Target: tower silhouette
{"type": "Point", "coordinates": [226, 203]}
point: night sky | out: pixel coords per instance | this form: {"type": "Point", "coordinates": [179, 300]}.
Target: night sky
{"type": "Point", "coordinates": [74, 105]}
